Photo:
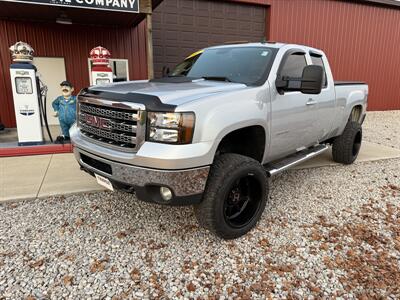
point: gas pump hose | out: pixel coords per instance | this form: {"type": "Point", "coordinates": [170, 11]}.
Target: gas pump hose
{"type": "Point", "coordinates": [43, 107]}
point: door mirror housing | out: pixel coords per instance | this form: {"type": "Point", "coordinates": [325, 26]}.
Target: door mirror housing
{"type": "Point", "coordinates": [309, 83]}
{"type": "Point", "coordinates": [312, 79]}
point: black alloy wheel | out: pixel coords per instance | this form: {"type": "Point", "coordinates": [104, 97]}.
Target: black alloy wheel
{"type": "Point", "coordinates": [235, 196]}
{"type": "Point", "coordinates": [242, 201]}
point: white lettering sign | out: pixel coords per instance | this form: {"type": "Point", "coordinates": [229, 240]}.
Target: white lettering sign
{"type": "Point", "coordinates": [114, 5]}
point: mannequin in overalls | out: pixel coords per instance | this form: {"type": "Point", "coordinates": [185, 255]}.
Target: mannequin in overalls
{"type": "Point", "coordinates": [65, 109]}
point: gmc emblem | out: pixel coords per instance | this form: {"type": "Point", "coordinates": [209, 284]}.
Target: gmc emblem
{"type": "Point", "coordinates": [95, 121]}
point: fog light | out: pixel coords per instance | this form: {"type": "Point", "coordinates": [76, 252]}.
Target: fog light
{"type": "Point", "coordinates": [166, 193]}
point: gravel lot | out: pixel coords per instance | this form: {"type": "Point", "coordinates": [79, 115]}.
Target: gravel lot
{"type": "Point", "coordinates": [383, 128]}
{"type": "Point", "coordinates": [328, 232]}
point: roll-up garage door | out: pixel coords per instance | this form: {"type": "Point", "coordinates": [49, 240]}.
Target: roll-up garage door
{"type": "Point", "coordinates": [181, 27]}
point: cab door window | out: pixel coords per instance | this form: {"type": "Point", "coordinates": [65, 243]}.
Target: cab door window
{"type": "Point", "coordinates": [293, 67]}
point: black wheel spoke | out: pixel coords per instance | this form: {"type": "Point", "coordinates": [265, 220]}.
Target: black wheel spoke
{"type": "Point", "coordinates": [239, 209]}
{"type": "Point", "coordinates": [229, 211]}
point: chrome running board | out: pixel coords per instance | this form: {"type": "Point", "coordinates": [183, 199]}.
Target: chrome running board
{"type": "Point", "coordinates": [281, 165]}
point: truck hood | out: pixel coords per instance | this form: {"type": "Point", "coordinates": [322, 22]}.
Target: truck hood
{"type": "Point", "coordinates": [171, 93]}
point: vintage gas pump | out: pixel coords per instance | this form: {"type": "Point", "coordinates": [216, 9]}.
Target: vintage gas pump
{"type": "Point", "coordinates": [28, 93]}
{"type": "Point", "coordinates": [101, 71]}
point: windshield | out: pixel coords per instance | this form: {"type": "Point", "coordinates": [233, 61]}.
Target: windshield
{"type": "Point", "coordinates": [248, 65]}
{"type": "Point", "coordinates": [184, 67]}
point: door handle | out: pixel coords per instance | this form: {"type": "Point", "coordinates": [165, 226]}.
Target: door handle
{"type": "Point", "coordinates": [311, 101]}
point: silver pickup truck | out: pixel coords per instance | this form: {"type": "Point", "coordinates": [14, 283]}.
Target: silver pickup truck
{"type": "Point", "coordinates": [213, 130]}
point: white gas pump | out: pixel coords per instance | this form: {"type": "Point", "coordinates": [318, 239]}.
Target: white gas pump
{"type": "Point", "coordinates": [27, 95]}
{"type": "Point", "coordinates": [101, 73]}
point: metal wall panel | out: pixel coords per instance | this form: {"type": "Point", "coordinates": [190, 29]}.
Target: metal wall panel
{"type": "Point", "coordinates": [361, 41]}
{"type": "Point", "coordinates": [73, 42]}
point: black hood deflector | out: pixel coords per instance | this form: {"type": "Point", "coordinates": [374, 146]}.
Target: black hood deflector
{"type": "Point", "coordinates": [152, 103]}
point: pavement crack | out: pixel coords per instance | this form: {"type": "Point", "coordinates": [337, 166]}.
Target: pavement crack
{"type": "Point", "coordinates": [44, 176]}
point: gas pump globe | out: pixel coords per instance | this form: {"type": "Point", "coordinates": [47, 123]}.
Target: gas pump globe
{"type": "Point", "coordinates": [25, 88]}
{"type": "Point", "coordinates": [101, 71]}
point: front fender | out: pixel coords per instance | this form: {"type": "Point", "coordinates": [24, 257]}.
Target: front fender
{"type": "Point", "coordinates": [220, 115]}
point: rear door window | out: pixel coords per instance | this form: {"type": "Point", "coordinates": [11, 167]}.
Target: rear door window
{"type": "Point", "coordinates": [317, 60]}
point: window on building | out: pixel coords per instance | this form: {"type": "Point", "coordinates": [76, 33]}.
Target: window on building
{"type": "Point", "coordinates": [317, 60]}
{"type": "Point", "coordinates": [119, 68]}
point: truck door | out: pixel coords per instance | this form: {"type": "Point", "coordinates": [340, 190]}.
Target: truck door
{"type": "Point", "coordinates": [293, 114]}
{"type": "Point", "coordinates": [326, 100]}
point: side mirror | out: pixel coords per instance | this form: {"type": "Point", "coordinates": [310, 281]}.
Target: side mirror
{"type": "Point", "coordinates": [312, 79]}
{"type": "Point", "coordinates": [165, 71]}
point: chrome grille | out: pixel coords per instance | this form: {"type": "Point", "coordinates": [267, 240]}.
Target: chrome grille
{"type": "Point", "coordinates": [112, 124]}
{"type": "Point", "coordinates": [110, 136]}
{"type": "Point", "coordinates": [109, 113]}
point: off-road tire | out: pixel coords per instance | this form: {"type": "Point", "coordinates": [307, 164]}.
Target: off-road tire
{"type": "Point", "coordinates": [346, 147]}
{"type": "Point", "coordinates": [225, 171]}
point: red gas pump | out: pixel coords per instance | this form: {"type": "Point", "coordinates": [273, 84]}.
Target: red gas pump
{"type": "Point", "coordinates": [101, 72]}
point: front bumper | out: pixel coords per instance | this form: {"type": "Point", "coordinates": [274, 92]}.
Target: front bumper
{"type": "Point", "coordinates": [151, 155]}
{"type": "Point", "coordinates": [187, 185]}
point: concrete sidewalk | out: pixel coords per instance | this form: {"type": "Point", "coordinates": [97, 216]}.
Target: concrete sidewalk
{"type": "Point", "coordinates": [30, 177]}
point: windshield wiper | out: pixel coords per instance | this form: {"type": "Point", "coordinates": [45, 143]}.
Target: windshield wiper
{"type": "Point", "coordinates": [217, 78]}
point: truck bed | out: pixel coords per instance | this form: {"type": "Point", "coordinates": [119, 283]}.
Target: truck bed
{"type": "Point", "coordinates": [348, 95]}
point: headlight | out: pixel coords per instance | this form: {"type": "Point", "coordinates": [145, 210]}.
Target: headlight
{"type": "Point", "coordinates": [174, 128]}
